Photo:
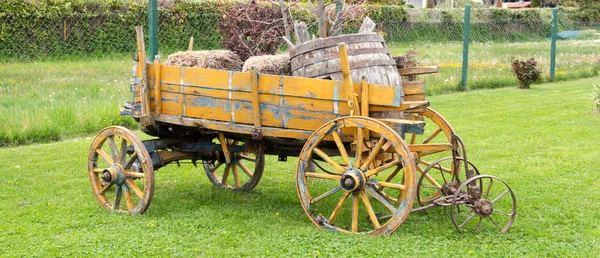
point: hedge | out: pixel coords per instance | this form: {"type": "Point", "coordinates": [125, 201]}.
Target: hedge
{"type": "Point", "coordinates": [99, 27]}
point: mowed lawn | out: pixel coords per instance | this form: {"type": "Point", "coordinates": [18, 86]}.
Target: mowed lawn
{"type": "Point", "coordinates": [544, 142]}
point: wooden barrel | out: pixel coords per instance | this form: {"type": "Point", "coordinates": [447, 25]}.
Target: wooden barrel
{"type": "Point", "coordinates": [367, 53]}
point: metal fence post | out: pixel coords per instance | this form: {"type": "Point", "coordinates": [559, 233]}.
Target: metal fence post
{"type": "Point", "coordinates": [467, 36]}
{"type": "Point", "coordinates": [553, 44]}
{"type": "Point", "coordinates": [152, 30]}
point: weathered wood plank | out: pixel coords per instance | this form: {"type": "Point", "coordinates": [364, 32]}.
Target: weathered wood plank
{"type": "Point", "coordinates": [418, 70]}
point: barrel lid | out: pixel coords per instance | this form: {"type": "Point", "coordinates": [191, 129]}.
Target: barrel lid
{"type": "Point", "coordinates": [320, 43]}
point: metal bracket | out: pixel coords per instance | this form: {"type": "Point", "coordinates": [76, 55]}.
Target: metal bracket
{"type": "Point", "coordinates": [282, 158]}
{"type": "Point", "coordinates": [257, 134]}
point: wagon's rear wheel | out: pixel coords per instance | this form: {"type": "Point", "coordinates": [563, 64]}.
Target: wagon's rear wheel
{"type": "Point", "coordinates": [242, 173]}
{"type": "Point", "coordinates": [433, 144]}
{"type": "Point", "coordinates": [120, 171]}
{"type": "Point", "coordinates": [350, 192]}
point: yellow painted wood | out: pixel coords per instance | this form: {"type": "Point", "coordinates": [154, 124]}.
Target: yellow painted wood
{"type": "Point", "coordinates": [146, 118]}
{"type": "Point", "coordinates": [255, 99]}
{"type": "Point", "coordinates": [347, 83]}
{"type": "Point", "coordinates": [156, 91]}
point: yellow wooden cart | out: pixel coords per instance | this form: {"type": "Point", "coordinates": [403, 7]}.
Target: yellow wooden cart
{"type": "Point", "coordinates": [349, 165]}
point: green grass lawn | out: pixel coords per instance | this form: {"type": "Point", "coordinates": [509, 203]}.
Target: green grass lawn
{"type": "Point", "coordinates": [544, 142]}
{"type": "Point", "coordinates": [45, 101]}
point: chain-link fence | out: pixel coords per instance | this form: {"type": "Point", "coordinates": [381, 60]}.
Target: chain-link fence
{"type": "Point", "coordinates": [99, 36]}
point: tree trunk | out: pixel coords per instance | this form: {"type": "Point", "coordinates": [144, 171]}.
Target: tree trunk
{"type": "Point", "coordinates": [321, 17]}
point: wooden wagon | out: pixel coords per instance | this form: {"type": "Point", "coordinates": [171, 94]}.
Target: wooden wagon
{"type": "Point", "coordinates": [349, 165]}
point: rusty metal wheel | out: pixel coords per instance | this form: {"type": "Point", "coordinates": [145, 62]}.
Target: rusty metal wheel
{"type": "Point", "coordinates": [120, 171]}
{"type": "Point", "coordinates": [483, 202]}
{"type": "Point", "coordinates": [353, 157]}
{"type": "Point", "coordinates": [438, 181]}
{"type": "Point", "coordinates": [242, 173]}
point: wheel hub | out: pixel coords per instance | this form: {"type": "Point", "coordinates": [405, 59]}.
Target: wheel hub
{"type": "Point", "coordinates": [449, 188]}
{"type": "Point", "coordinates": [114, 174]}
{"type": "Point", "coordinates": [353, 180]}
{"type": "Point", "coordinates": [484, 208]}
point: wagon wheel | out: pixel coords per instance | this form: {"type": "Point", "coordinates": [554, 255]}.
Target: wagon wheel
{"type": "Point", "coordinates": [433, 144]}
{"type": "Point", "coordinates": [355, 178]}
{"type": "Point", "coordinates": [437, 181]}
{"type": "Point", "coordinates": [120, 171]}
{"type": "Point", "coordinates": [242, 173]}
{"type": "Point", "coordinates": [483, 202]}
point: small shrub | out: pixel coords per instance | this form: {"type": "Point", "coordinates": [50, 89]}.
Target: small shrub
{"type": "Point", "coordinates": [596, 97]}
{"type": "Point", "coordinates": [525, 71]}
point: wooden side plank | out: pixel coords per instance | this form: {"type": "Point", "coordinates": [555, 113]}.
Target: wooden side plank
{"type": "Point", "coordinates": [309, 88]}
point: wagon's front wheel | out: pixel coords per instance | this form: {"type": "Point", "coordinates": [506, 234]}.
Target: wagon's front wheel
{"type": "Point", "coordinates": [242, 173]}
{"type": "Point", "coordinates": [120, 171]}
{"type": "Point", "coordinates": [349, 189]}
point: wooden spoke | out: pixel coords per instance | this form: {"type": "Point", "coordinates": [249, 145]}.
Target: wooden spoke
{"type": "Point", "coordinates": [328, 159]}
{"type": "Point", "coordinates": [359, 147]}
{"type": "Point", "coordinates": [118, 195]}
{"type": "Point", "coordinates": [341, 148]}
{"type": "Point", "coordinates": [391, 185]}
{"type": "Point", "coordinates": [132, 160]}
{"type": "Point", "coordinates": [215, 167]}
{"type": "Point", "coordinates": [323, 176]}
{"type": "Point", "coordinates": [338, 207]}
{"type": "Point", "coordinates": [500, 196]}
{"type": "Point", "coordinates": [123, 151]}
{"type": "Point", "coordinates": [98, 170]}
{"type": "Point", "coordinates": [105, 188]}
{"type": "Point", "coordinates": [134, 174]}
{"type": "Point", "coordinates": [381, 199]}
{"type": "Point", "coordinates": [245, 169]}
{"type": "Point", "coordinates": [246, 158]}
{"type": "Point", "coordinates": [113, 148]}
{"type": "Point", "coordinates": [355, 200]}
{"type": "Point", "coordinates": [325, 195]}
{"type": "Point", "coordinates": [382, 168]}
{"type": "Point", "coordinates": [128, 199]}
{"type": "Point", "coordinates": [225, 175]}
{"type": "Point", "coordinates": [393, 174]}
{"type": "Point", "coordinates": [438, 166]}
{"type": "Point", "coordinates": [373, 153]}
{"type": "Point", "coordinates": [236, 176]}
{"type": "Point", "coordinates": [433, 135]}
{"type": "Point", "coordinates": [413, 138]}
{"type": "Point", "coordinates": [467, 220]}
{"type": "Point", "coordinates": [135, 188]}
{"type": "Point", "coordinates": [367, 203]}
{"type": "Point", "coordinates": [105, 156]}
{"type": "Point", "coordinates": [479, 224]}
{"type": "Point", "coordinates": [432, 181]}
